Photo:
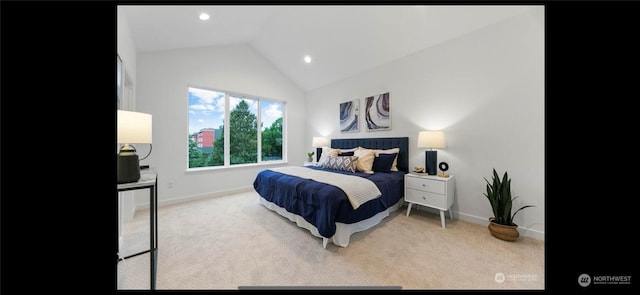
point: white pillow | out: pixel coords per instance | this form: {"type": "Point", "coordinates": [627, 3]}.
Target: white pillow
{"type": "Point", "coordinates": [365, 160]}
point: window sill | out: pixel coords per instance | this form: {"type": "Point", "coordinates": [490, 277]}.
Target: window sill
{"type": "Point", "coordinates": [214, 168]}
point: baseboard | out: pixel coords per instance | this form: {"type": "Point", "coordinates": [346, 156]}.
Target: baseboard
{"type": "Point", "coordinates": [524, 232]}
{"type": "Point", "coordinates": [179, 200]}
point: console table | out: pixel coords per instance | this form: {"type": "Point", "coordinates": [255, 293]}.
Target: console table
{"type": "Point", "coordinates": [148, 180]}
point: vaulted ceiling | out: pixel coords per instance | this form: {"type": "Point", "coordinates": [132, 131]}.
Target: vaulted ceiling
{"type": "Point", "coordinates": [341, 40]}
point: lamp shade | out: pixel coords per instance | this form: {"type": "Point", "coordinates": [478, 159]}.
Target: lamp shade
{"type": "Point", "coordinates": [134, 127]}
{"type": "Point", "coordinates": [320, 141]}
{"type": "Point", "coordinates": [431, 139]}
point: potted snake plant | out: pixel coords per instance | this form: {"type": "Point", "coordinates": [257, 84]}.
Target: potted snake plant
{"type": "Point", "coordinates": [499, 195]}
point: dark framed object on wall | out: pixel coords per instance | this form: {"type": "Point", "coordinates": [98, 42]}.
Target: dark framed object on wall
{"type": "Point", "coordinates": [349, 113]}
{"type": "Point", "coordinates": [377, 112]}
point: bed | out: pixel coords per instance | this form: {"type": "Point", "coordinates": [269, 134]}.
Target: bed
{"type": "Point", "coordinates": [326, 210]}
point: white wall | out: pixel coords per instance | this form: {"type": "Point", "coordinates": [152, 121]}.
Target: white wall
{"type": "Point", "coordinates": [162, 81]}
{"type": "Point", "coordinates": [485, 90]}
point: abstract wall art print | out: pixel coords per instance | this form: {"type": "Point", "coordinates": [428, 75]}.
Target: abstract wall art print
{"type": "Point", "coordinates": [377, 113]}
{"type": "Point", "coordinates": [349, 113]}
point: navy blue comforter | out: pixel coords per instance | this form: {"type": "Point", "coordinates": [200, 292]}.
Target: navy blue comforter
{"type": "Point", "coordinates": [323, 205]}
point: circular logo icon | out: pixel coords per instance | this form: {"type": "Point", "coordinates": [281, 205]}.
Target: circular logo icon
{"type": "Point", "coordinates": [584, 280]}
{"type": "Point", "coordinates": [500, 277]}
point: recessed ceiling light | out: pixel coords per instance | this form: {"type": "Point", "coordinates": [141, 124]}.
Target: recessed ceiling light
{"type": "Point", "coordinates": [204, 16]}
{"type": "Point", "coordinates": [307, 59]}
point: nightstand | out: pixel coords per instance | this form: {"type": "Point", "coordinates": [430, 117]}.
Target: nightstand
{"type": "Point", "coordinates": [310, 164]}
{"type": "Point", "coordinates": [429, 190]}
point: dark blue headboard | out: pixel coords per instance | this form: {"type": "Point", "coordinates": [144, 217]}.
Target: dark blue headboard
{"type": "Point", "coordinates": [378, 144]}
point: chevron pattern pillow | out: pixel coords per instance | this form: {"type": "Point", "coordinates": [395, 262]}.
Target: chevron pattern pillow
{"type": "Point", "coordinates": [344, 163]}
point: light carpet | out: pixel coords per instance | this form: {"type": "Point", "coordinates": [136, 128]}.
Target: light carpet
{"type": "Point", "coordinates": [233, 242]}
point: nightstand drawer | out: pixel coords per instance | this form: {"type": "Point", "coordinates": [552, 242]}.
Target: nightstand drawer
{"type": "Point", "coordinates": [426, 198]}
{"type": "Point", "coordinates": [424, 184]}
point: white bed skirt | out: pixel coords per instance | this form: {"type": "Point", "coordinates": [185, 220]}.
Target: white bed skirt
{"type": "Point", "coordinates": [343, 230]}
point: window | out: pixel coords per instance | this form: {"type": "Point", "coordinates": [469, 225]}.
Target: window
{"type": "Point", "coordinates": [218, 140]}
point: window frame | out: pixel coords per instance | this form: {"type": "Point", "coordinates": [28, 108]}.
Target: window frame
{"type": "Point", "coordinates": [227, 157]}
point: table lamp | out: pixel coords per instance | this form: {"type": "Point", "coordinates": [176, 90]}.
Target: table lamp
{"type": "Point", "coordinates": [318, 143]}
{"type": "Point", "coordinates": [133, 128]}
{"type": "Point", "coordinates": [431, 140]}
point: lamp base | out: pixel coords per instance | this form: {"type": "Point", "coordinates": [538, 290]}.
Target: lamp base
{"type": "Point", "coordinates": [431, 157]}
{"type": "Point", "coordinates": [318, 154]}
{"type": "Point", "coordinates": [128, 166]}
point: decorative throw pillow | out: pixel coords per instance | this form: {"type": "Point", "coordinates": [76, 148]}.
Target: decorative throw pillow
{"type": "Point", "coordinates": [326, 153]}
{"type": "Point", "coordinates": [365, 160]}
{"type": "Point", "coordinates": [394, 166]}
{"type": "Point", "coordinates": [347, 163]}
{"type": "Point", "coordinates": [345, 153]}
{"type": "Point", "coordinates": [383, 162]}
{"type": "Point", "coordinates": [348, 150]}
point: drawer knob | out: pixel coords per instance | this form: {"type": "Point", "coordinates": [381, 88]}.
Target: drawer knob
{"type": "Point", "coordinates": [424, 198]}
{"type": "Point", "coordinates": [424, 185]}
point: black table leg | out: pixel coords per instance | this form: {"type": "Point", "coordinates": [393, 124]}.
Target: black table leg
{"type": "Point", "coordinates": [152, 238]}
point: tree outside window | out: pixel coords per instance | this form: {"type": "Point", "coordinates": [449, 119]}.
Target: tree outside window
{"type": "Point", "coordinates": [245, 145]}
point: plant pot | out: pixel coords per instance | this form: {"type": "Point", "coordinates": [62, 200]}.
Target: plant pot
{"type": "Point", "coordinates": [309, 159]}
{"type": "Point", "coordinates": [504, 232]}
